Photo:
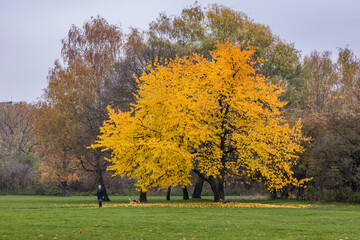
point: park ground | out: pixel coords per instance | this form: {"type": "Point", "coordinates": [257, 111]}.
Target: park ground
{"type": "Point", "coordinates": [78, 217]}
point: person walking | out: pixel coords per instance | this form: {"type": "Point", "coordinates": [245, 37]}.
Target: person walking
{"type": "Point", "coordinates": [100, 195]}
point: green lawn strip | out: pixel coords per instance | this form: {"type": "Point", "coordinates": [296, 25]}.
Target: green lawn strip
{"type": "Point", "coordinates": [33, 217]}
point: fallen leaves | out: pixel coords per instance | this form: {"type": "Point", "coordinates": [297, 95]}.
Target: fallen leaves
{"type": "Point", "coordinates": [211, 205]}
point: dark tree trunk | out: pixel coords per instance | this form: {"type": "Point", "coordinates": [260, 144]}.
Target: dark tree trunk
{"type": "Point", "coordinates": [285, 193]}
{"type": "Point", "coordinates": [300, 193]}
{"type": "Point", "coordinates": [273, 194]}
{"type": "Point", "coordinates": [220, 184]}
{"type": "Point", "coordinates": [220, 181]}
{"type": "Point", "coordinates": [198, 188]}
{"type": "Point", "coordinates": [102, 183]}
{"type": "Point", "coordinates": [215, 189]}
{"type": "Point", "coordinates": [168, 193]}
{"type": "Point", "coordinates": [143, 197]}
{"type": "Point", "coordinates": [185, 193]}
{"type": "Point", "coordinates": [64, 188]}
{"type": "Point", "coordinates": [216, 184]}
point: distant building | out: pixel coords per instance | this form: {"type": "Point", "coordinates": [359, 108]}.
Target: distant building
{"type": "Point", "coordinates": [9, 103]}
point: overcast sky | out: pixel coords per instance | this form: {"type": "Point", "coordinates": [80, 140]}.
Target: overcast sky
{"type": "Point", "coordinates": [31, 31]}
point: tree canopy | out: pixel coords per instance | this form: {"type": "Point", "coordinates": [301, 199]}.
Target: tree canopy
{"type": "Point", "coordinates": [218, 118]}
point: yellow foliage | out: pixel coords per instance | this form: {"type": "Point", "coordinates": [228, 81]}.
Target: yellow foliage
{"type": "Point", "coordinates": [217, 116]}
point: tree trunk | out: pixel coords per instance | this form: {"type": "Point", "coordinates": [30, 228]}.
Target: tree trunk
{"type": "Point", "coordinates": [273, 194]}
{"type": "Point", "coordinates": [185, 193]}
{"type": "Point", "coordinates": [285, 193]}
{"type": "Point", "coordinates": [168, 193]}
{"type": "Point", "coordinates": [143, 197]}
{"type": "Point", "coordinates": [64, 188]}
{"type": "Point", "coordinates": [220, 184]}
{"type": "Point", "coordinates": [102, 183]}
{"type": "Point", "coordinates": [217, 186]}
{"type": "Point", "coordinates": [215, 189]}
{"type": "Point", "coordinates": [198, 188]}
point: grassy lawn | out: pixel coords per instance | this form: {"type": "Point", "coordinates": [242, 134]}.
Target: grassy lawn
{"type": "Point", "coordinates": [40, 217]}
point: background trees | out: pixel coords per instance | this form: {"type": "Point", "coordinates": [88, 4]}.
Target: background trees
{"type": "Point", "coordinates": [55, 129]}
{"type": "Point", "coordinates": [331, 116]}
{"type": "Point", "coordinates": [79, 93]}
{"type": "Point", "coordinates": [100, 66]}
{"type": "Point", "coordinates": [197, 30]}
{"type": "Point", "coordinates": [194, 30]}
{"type": "Point", "coordinates": [18, 161]}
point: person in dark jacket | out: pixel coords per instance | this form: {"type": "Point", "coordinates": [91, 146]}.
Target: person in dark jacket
{"type": "Point", "coordinates": [100, 195]}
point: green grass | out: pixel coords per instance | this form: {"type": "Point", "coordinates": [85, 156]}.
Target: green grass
{"type": "Point", "coordinates": [40, 217]}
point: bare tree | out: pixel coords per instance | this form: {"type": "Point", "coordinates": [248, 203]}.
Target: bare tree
{"type": "Point", "coordinates": [17, 146]}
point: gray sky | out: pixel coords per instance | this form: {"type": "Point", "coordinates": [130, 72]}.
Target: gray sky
{"type": "Point", "coordinates": [31, 31]}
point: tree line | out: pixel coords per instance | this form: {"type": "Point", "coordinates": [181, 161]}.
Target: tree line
{"type": "Point", "coordinates": [206, 96]}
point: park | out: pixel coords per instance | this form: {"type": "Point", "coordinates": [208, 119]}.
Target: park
{"type": "Point", "coordinates": [205, 125]}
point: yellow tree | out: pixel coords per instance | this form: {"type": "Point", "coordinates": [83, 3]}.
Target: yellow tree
{"type": "Point", "coordinates": [217, 118]}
